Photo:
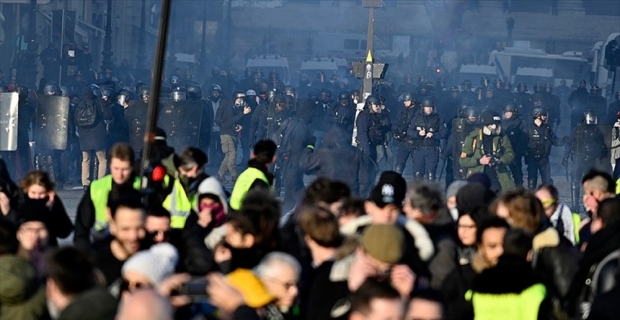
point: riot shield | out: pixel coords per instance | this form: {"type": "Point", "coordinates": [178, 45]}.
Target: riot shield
{"type": "Point", "coordinates": [52, 123]}
{"type": "Point", "coordinates": [9, 106]}
{"type": "Point", "coordinates": [606, 130]}
{"type": "Point", "coordinates": [136, 114]}
{"type": "Point", "coordinates": [181, 121]}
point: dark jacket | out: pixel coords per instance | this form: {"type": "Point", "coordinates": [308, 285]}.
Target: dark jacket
{"type": "Point", "coordinates": [59, 224]}
{"type": "Point", "coordinates": [514, 128]}
{"type": "Point", "coordinates": [228, 117]}
{"type": "Point", "coordinates": [95, 304]}
{"type": "Point", "coordinates": [606, 306]}
{"type": "Point", "coordinates": [430, 124]}
{"type": "Point", "coordinates": [456, 285]}
{"type": "Point", "coordinates": [327, 161]}
{"type": "Point", "coordinates": [21, 294]}
{"type": "Point", "coordinates": [94, 138]}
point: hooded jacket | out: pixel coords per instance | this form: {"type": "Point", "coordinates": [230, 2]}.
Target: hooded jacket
{"type": "Point", "coordinates": [502, 149]}
{"type": "Point", "coordinates": [21, 296]}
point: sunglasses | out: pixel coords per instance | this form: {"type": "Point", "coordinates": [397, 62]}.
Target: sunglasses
{"type": "Point", "coordinates": [153, 234]}
{"type": "Point", "coordinates": [548, 203]}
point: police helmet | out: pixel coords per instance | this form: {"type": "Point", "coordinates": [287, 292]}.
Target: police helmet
{"type": "Point", "coordinates": [174, 80]}
{"type": "Point", "coordinates": [538, 87]}
{"type": "Point", "coordinates": [595, 90]}
{"type": "Point", "coordinates": [470, 112]}
{"type": "Point", "coordinates": [589, 117]}
{"type": "Point", "coordinates": [511, 107]}
{"type": "Point", "coordinates": [455, 89]}
{"type": "Point", "coordinates": [499, 84]}
{"type": "Point", "coordinates": [238, 94]}
{"type": "Point", "coordinates": [428, 102]}
{"type": "Point", "coordinates": [21, 90]}
{"type": "Point", "coordinates": [272, 94]}
{"type": "Point", "coordinates": [178, 95]}
{"type": "Point", "coordinates": [124, 96]}
{"type": "Point", "coordinates": [95, 90]}
{"type": "Point", "coordinates": [407, 96]}
{"type": "Point", "coordinates": [50, 89]}
{"type": "Point", "coordinates": [250, 93]}
{"type": "Point", "coordinates": [467, 84]}
{"type": "Point", "coordinates": [372, 99]}
{"type": "Point", "coordinates": [549, 87]}
{"type": "Point", "coordinates": [279, 100]}
{"type": "Point", "coordinates": [290, 90]}
{"type": "Point", "coordinates": [484, 81]}
{"type": "Point", "coordinates": [194, 92]}
{"type": "Point", "coordinates": [462, 107]}
{"type": "Point", "coordinates": [107, 93]}
{"type": "Point", "coordinates": [344, 95]}
{"type": "Point", "coordinates": [144, 92]}
{"type": "Point", "coordinates": [216, 87]}
{"type": "Point", "coordinates": [538, 112]}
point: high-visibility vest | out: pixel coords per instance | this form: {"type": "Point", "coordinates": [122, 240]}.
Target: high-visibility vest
{"type": "Point", "coordinates": [243, 184]}
{"type": "Point", "coordinates": [576, 222]}
{"type": "Point", "coordinates": [508, 306]}
{"type": "Point", "coordinates": [99, 190]}
{"type": "Point", "coordinates": [179, 205]}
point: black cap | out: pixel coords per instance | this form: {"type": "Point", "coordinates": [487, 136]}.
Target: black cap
{"type": "Point", "coordinates": [390, 189]}
{"type": "Point", "coordinates": [489, 117]}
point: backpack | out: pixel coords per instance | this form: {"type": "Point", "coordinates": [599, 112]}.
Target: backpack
{"type": "Point", "coordinates": [87, 114]}
{"type": "Point", "coordinates": [601, 278]}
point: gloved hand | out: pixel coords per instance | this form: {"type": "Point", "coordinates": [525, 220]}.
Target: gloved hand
{"type": "Point", "coordinates": [565, 162]}
{"type": "Point", "coordinates": [311, 142]}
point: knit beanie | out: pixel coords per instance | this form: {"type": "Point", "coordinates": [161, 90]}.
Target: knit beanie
{"type": "Point", "coordinates": [157, 263]}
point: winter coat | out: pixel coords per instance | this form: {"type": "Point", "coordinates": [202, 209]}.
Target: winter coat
{"type": "Point", "coordinates": [59, 224]}
{"type": "Point", "coordinates": [21, 294]}
{"type": "Point", "coordinates": [94, 138]}
{"type": "Point", "coordinates": [93, 304]}
{"type": "Point", "coordinates": [228, 117]}
{"type": "Point", "coordinates": [327, 161]}
{"type": "Point", "coordinates": [606, 306]}
{"type": "Point", "coordinates": [472, 153]}
{"type": "Point", "coordinates": [456, 285]}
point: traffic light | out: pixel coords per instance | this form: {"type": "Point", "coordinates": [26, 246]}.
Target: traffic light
{"type": "Point", "coordinates": [153, 183]}
{"type": "Point", "coordinates": [612, 55]}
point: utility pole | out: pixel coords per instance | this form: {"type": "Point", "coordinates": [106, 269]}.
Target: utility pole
{"type": "Point", "coordinates": [107, 54]}
{"type": "Point", "coordinates": [203, 41]}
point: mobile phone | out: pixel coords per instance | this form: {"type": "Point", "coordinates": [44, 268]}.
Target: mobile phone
{"type": "Point", "coordinates": [196, 290]}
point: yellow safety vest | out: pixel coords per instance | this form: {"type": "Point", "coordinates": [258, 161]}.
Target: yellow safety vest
{"type": "Point", "coordinates": [508, 306]}
{"type": "Point", "coordinates": [99, 190]}
{"type": "Point", "coordinates": [576, 222]}
{"type": "Point", "coordinates": [179, 205]}
{"type": "Point", "coordinates": [243, 184]}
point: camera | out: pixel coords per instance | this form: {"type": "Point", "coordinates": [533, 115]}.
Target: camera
{"type": "Point", "coordinates": [494, 162]}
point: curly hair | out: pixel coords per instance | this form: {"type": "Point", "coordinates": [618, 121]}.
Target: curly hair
{"type": "Point", "coordinates": [526, 211]}
{"type": "Point", "coordinates": [36, 177]}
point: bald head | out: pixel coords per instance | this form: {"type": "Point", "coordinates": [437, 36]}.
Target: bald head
{"type": "Point", "coordinates": [145, 305]}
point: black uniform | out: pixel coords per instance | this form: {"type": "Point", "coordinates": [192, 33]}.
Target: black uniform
{"type": "Point", "coordinates": [515, 128]}
{"type": "Point", "coordinates": [427, 149]}
{"type": "Point", "coordinates": [540, 139]}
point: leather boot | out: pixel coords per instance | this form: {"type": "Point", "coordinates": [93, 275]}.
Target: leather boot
{"type": "Point", "coordinates": [418, 176]}
{"type": "Point", "coordinates": [430, 176]}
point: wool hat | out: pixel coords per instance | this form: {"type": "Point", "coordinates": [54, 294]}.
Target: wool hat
{"type": "Point", "coordinates": [489, 117]}
{"type": "Point", "coordinates": [454, 188]}
{"type": "Point", "coordinates": [383, 242]}
{"type": "Point", "coordinates": [390, 189]}
{"type": "Point", "coordinates": [156, 264]}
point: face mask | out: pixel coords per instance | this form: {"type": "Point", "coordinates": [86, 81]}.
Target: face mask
{"type": "Point", "coordinates": [53, 311]}
{"type": "Point", "coordinates": [491, 130]}
{"type": "Point", "coordinates": [454, 212]}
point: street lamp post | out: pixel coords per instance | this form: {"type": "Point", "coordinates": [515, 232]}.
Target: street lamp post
{"type": "Point", "coordinates": [203, 42]}
{"type": "Point", "coordinates": [140, 66]}
{"type": "Point", "coordinates": [107, 54]}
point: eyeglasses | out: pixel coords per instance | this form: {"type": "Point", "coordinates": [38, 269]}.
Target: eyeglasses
{"type": "Point", "coordinates": [466, 226]}
{"type": "Point", "coordinates": [287, 285]}
{"type": "Point", "coordinates": [127, 286]}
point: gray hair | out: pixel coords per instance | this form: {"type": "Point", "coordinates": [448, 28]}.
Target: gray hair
{"type": "Point", "coordinates": [265, 266]}
{"type": "Point", "coordinates": [425, 197]}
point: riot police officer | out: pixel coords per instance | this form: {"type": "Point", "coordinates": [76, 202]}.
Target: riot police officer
{"type": "Point", "coordinates": [344, 112]}
{"type": "Point", "coordinates": [372, 126]}
{"type": "Point", "coordinates": [214, 102]}
{"type": "Point", "coordinates": [323, 117]}
{"type": "Point", "coordinates": [461, 126]}
{"type": "Point", "coordinates": [540, 138]}
{"type": "Point", "coordinates": [586, 147]}
{"type": "Point", "coordinates": [552, 104]}
{"type": "Point", "coordinates": [194, 93]}
{"type": "Point", "coordinates": [400, 128]}
{"type": "Point", "coordinates": [489, 102]}
{"type": "Point", "coordinates": [384, 151]}
{"type": "Point", "coordinates": [50, 159]}
{"type": "Point", "coordinates": [24, 124]}
{"type": "Point", "coordinates": [514, 128]}
{"type": "Point", "coordinates": [597, 103]}
{"type": "Point", "coordinates": [578, 102]}
{"type": "Point", "coordinates": [500, 93]}
{"type": "Point", "coordinates": [116, 127]}
{"type": "Point", "coordinates": [523, 99]}
{"type": "Point", "coordinates": [466, 94]}
{"type": "Point", "coordinates": [427, 130]}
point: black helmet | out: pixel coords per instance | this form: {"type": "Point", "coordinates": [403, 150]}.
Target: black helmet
{"type": "Point", "coordinates": [124, 96]}
{"type": "Point", "coordinates": [21, 90]}
{"type": "Point", "coordinates": [538, 87]}
{"type": "Point", "coordinates": [144, 92]}
{"type": "Point", "coordinates": [511, 107]}
{"type": "Point", "coordinates": [499, 84]}
{"type": "Point", "coordinates": [216, 87]}
{"type": "Point", "coordinates": [470, 112]}
{"type": "Point", "coordinates": [455, 89]}
{"type": "Point", "coordinates": [344, 95]}
{"type": "Point", "coordinates": [194, 92]}
{"type": "Point", "coordinates": [589, 117]}
{"type": "Point", "coordinates": [178, 94]}
{"type": "Point", "coordinates": [462, 108]}
{"type": "Point", "coordinates": [595, 90]}
{"type": "Point", "coordinates": [95, 90]}
{"type": "Point", "coordinates": [428, 102]}
{"type": "Point", "coordinates": [272, 94]}
{"type": "Point", "coordinates": [484, 81]}
{"type": "Point", "coordinates": [467, 84]}
{"type": "Point", "coordinates": [238, 94]}
{"type": "Point", "coordinates": [538, 112]}
{"type": "Point", "coordinates": [489, 117]}
{"type": "Point", "coordinates": [107, 93]}
{"type": "Point", "coordinates": [50, 89]}
{"type": "Point", "coordinates": [372, 99]}
{"type": "Point", "coordinates": [407, 96]}
{"type": "Point", "coordinates": [290, 90]}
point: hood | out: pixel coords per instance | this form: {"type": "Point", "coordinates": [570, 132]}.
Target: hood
{"type": "Point", "coordinates": [212, 186]}
{"type": "Point", "coordinates": [18, 280]}
{"type": "Point", "coordinates": [88, 94]}
{"type": "Point", "coordinates": [94, 304]}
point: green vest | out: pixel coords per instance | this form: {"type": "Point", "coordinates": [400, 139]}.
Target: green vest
{"type": "Point", "coordinates": [508, 306]}
{"type": "Point", "coordinates": [243, 184]}
{"type": "Point", "coordinates": [99, 190]}
{"type": "Point", "coordinates": [179, 205]}
{"type": "Point", "coordinates": [576, 222]}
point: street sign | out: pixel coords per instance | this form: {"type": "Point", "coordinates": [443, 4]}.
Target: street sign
{"type": "Point", "coordinates": [372, 3]}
